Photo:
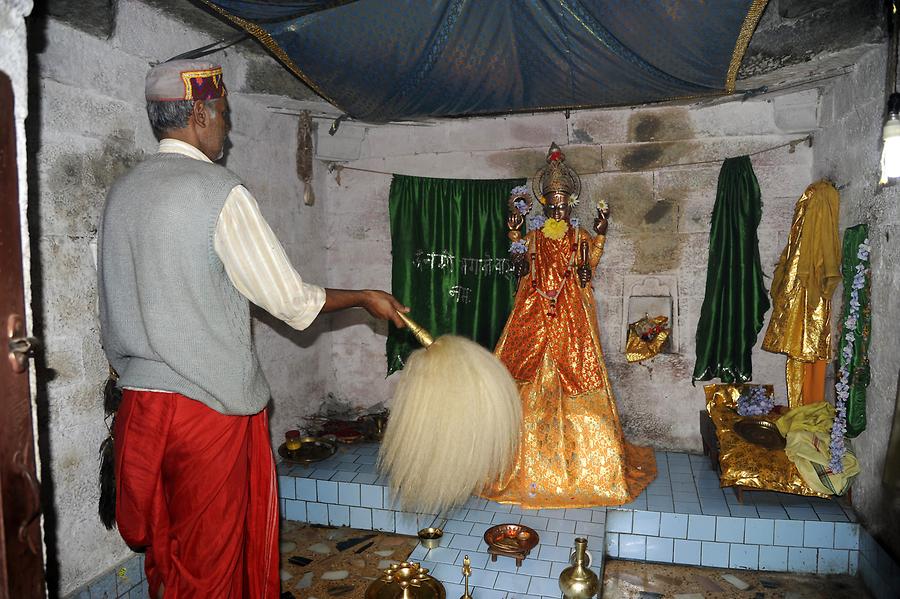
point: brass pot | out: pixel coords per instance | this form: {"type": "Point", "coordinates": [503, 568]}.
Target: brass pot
{"type": "Point", "coordinates": [578, 581]}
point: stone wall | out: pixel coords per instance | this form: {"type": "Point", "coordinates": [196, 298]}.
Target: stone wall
{"type": "Point", "coordinates": [89, 127]}
{"type": "Point", "coordinates": [660, 225]}
{"type": "Point", "coordinates": [848, 151]}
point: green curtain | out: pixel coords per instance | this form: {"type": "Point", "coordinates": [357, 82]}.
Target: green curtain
{"type": "Point", "coordinates": [735, 300]}
{"type": "Point", "coordinates": [450, 259]}
{"type": "Point", "coordinates": [858, 364]}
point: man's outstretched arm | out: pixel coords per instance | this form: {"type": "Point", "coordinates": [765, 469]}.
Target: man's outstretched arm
{"type": "Point", "coordinates": [378, 303]}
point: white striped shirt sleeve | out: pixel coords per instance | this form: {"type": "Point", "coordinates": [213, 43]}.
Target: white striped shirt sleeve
{"type": "Point", "coordinates": [258, 266]}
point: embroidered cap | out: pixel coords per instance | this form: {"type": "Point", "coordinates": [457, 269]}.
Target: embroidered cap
{"type": "Point", "coordinates": [184, 80]}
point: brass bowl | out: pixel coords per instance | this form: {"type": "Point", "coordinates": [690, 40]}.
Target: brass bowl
{"type": "Point", "coordinates": [759, 431]}
{"type": "Point", "coordinates": [430, 537]}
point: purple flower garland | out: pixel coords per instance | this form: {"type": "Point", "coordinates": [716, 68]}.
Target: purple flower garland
{"type": "Point", "coordinates": [842, 386]}
{"type": "Point", "coordinates": [755, 402]}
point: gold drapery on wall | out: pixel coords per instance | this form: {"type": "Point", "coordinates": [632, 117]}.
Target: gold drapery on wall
{"type": "Point", "coordinates": [805, 278]}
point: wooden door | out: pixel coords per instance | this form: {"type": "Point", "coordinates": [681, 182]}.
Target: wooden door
{"type": "Point", "coordinates": [21, 551]}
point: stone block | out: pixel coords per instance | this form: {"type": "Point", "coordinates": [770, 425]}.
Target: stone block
{"type": "Point", "coordinates": [110, 71]}
{"type": "Point", "coordinates": [731, 119]}
{"type": "Point", "coordinates": [777, 215]}
{"type": "Point", "coordinates": [796, 112]}
{"type": "Point", "coordinates": [667, 154]}
{"type": "Point", "coordinates": [63, 356]}
{"type": "Point", "coordinates": [345, 145]}
{"type": "Point", "coordinates": [74, 174]}
{"type": "Point", "coordinates": [475, 134]}
{"type": "Point", "coordinates": [68, 108]}
{"type": "Point", "coordinates": [68, 285]}
{"type": "Point", "coordinates": [599, 126]}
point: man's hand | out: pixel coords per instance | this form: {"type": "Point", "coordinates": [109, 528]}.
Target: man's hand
{"type": "Point", "coordinates": [384, 306]}
{"type": "Point", "coordinates": [377, 303]}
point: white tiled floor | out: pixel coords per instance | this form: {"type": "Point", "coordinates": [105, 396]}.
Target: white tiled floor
{"type": "Point", "coordinates": [682, 517]}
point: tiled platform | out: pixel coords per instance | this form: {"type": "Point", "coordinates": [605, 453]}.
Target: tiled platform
{"type": "Point", "coordinates": [683, 517]}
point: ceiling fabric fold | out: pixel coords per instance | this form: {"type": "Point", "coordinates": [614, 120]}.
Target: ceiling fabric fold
{"type": "Point", "coordinates": [390, 60]}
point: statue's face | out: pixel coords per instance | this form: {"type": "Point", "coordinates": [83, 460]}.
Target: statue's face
{"type": "Point", "coordinates": [558, 207]}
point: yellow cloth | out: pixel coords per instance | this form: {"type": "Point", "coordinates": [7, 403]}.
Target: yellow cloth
{"type": "Point", "coordinates": [572, 452]}
{"type": "Point", "coordinates": [817, 417]}
{"type": "Point", "coordinates": [805, 278]}
{"type": "Point", "coordinates": [745, 464]}
{"type": "Point", "coordinates": [810, 452]}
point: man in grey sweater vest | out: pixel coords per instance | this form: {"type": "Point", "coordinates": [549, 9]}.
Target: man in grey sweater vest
{"type": "Point", "coordinates": [183, 250]}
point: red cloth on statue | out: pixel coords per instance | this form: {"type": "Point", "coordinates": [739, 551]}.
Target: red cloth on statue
{"type": "Point", "coordinates": [198, 489]}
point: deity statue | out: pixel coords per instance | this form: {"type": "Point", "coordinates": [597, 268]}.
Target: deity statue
{"type": "Point", "coordinates": [572, 452]}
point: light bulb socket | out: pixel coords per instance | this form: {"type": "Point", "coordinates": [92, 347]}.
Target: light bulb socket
{"type": "Point", "coordinates": [891, 129]}
{"type": "Point", "coordinates": [894, 105]}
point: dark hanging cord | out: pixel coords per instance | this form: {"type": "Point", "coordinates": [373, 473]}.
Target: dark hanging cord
{"type": "Point", "coordinates": [892, 19]}
{"type": "Point", "coordinates": [210, 48]}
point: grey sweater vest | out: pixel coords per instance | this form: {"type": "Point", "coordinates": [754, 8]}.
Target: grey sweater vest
{"type": "Point", "coordinates": [170, 318]}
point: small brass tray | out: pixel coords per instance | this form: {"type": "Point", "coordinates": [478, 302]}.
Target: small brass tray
{"type": "Point", "coordinates": [406, 580]}
{"type": "Point", "coordinates": [312, 449]}
{"type": "Point", "coordinates": [759, 432]}
{"type": "Point", "coordinates": [511, 540]}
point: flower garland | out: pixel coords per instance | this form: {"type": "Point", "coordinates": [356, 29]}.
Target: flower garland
{"type": "Point", "coordinates": [842, 386]}
{"type": "Point", "coordinates": [755, 402]}
{"type": "Point", "coordinates": [555, 229]}
{"type": "Point", "coordinates": [518, 247]}
{"type": "Point", "coordinates": [537, 221]}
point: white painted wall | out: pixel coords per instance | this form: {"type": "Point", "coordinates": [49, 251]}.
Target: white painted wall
{"type": "Point", "coordinates": [92, 126]}
{"type": "Point", "coordinates": [627, 150]}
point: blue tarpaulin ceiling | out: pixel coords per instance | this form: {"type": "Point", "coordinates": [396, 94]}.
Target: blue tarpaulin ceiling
{"type": "Point", "coordinates": [388, 60]}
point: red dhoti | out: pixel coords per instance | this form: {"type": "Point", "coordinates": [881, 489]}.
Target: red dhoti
{"type": "Point", "coordinates": [197, 489]}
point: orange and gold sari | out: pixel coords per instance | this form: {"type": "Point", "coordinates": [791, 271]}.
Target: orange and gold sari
{"type": "Point", "coordinates": [572, 452]}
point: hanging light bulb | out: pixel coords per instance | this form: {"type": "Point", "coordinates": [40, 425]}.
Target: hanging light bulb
{"type": "Point", "coordinates": [890, 154]}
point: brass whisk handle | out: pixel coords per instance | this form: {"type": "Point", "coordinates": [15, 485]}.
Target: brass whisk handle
{"type": "Point", "coordinates": [423, 336]}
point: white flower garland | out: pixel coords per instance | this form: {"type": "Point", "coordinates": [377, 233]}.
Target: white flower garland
{"type": "Point", "coordinates": [842, 386]}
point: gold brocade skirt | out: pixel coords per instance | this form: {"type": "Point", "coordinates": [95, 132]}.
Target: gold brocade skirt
{"type": "Point", "coordinates": [572, 452]}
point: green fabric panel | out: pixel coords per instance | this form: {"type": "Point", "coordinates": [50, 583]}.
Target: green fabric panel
{"type": "Point", "coordinates": [858, 365]}
{"type": "Point", "coordinates": [736, 299]}
{"type": "Point", "coordinates": [450, 259]}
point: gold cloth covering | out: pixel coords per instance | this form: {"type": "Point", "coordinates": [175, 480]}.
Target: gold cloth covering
{"type": "Point", "coordinates": [805, 278]}
{"type": "Point", "coordinates": [746, 464]}
{"type": "Point", "coordinates": [808, 433]}
{"type": "Point", "coordinates": [636, 349]}
{"type": "Point", "coordinates": [572, 452]}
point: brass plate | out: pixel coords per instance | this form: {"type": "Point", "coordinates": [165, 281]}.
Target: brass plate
{"type": "Point", "coordinates": [511, 538]}
{"type": "Point", "coordinates": [312, 449]}
{"type": "Point", "coordinates": [422, 585]}
{"type": "Point", "coordinates": [759, 432]}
